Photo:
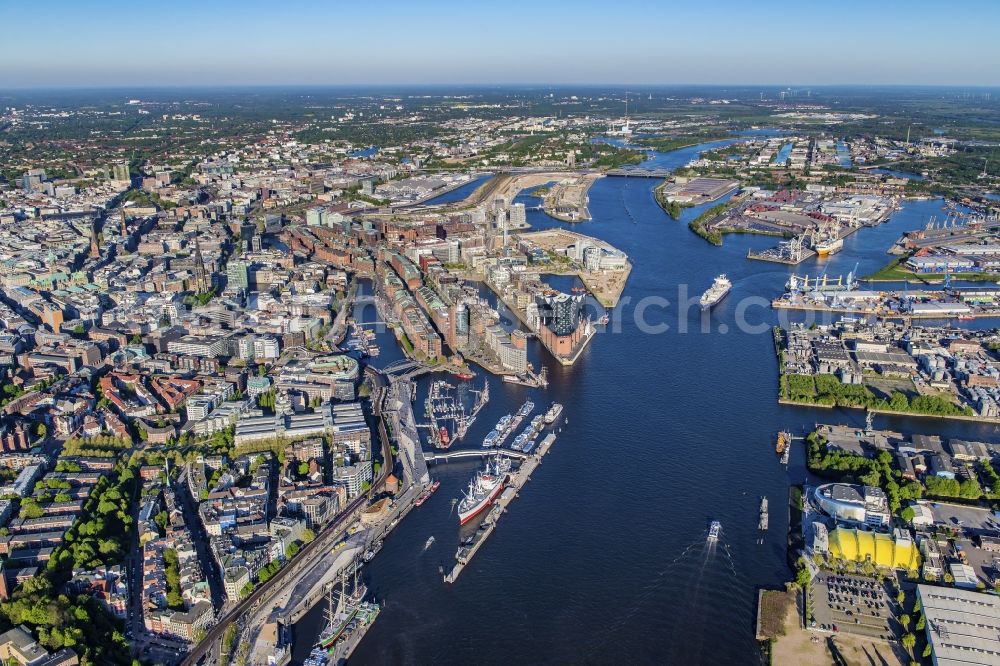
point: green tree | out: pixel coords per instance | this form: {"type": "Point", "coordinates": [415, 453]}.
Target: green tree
{"type": "Point", "coordinates": [303, 468]}
{"type": "Point", "coordinates": [908, 641]}
{"type": "Point", "coordinates": [904, 620]}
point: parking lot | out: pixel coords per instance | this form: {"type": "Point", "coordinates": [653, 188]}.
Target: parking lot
{"type": "Point", "coordinates": [854, 604]}
{"type": "Point", "coordinates": [973, 519]}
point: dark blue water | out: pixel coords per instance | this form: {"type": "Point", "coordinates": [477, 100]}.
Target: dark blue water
{"type": "Point", "coordinates": [602, 559]}
{"type": "Point", "coordinates": [365, 152]}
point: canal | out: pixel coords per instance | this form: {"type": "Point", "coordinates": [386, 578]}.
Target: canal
{"type": "Point", "coordinates": [671, 424]}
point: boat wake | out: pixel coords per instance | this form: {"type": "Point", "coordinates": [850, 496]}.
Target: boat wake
{"type": "Point", "coordinates": [654, 584]}
{"type": "Point", "coordinates": [628, 211]}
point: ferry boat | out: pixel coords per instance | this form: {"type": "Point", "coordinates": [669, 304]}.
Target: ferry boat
{"type": "Point", "coordinates": [554, 411]}
{"type": "Point", "coordinates": [828, 246]}
{"type": "Point", "coordinates": [318, 657]}
{"type": "Point", "coordinates": [719, 290]}
{"type": "Point", "coordinates": [483, 489]}
{"type": "Point", "coordinates": [373, 551]}
{"type": "Point", "coordinates": [491, 439]}
{"type": "Point", "coordinates": [713, 530]}
{"type": "Point", "coordinates": [428, 491]}
{"type": "Point", "coordinates": [762, 523]}
{"type": "Point", "coordinates": [526, 408]}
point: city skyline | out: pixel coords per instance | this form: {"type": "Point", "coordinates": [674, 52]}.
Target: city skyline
{"type": "Point", "coordinates": [447, 43]}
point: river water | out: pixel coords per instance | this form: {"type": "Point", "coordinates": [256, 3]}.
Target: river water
{"type": "Point", "coordinates": [603, 558]}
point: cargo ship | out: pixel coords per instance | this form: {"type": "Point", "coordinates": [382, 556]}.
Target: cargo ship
{"type": "Point", "coordinates": [554, 411]}
{"type": "Point", "coordinates": [828, 246]}
{"type": "Point", "coordinates": [713, 530]}
{"type": "Point", "coordinates": [483, 489]}
{"type": "Point", "coordinates": [428, 491]}
{"type": "Point", "coordinates": [784, 439]}
{"type": "Point", "coordinates": [719, 290]}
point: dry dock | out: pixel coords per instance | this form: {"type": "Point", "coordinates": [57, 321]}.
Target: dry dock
{"type": "Point", "coordinates": [517, 481]}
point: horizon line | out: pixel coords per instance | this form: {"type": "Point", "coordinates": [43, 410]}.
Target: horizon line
{"type": "Point", "coordinates": [229, 86]}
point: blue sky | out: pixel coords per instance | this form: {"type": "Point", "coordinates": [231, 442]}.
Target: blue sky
{"type": "Point", "coordinates": [178, 42]}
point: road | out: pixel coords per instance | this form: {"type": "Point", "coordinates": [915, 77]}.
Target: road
{"type": "Point", "coordinates": [324, 541]}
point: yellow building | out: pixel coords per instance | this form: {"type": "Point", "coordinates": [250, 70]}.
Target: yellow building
{"type": "Point", "coordinates": [895, 551]}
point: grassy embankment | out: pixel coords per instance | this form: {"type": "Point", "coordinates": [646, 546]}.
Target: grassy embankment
{"type": "Point", "coordinates": [895, 271]}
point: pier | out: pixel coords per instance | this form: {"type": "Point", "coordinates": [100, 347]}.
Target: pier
{"type": "Point", "coordinates": [791, 252]}
{"type": "Point", "coordinates": [517, 481]}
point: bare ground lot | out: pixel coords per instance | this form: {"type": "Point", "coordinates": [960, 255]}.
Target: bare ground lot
{"type": "Point", "coordinates": [801, 647]}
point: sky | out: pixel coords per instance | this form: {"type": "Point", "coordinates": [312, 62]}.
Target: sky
{"type": "Point", "coordinates": [68, 43]}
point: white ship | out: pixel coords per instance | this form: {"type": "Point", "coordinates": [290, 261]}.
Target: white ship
{"type": "Point", "coordinates": [483, 489]}
{"type": "Point", "coordinates": [719, 289]}
{"type": "Point", "coordinates": [828, 246]}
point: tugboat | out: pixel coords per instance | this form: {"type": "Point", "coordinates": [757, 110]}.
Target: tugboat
{"type": "Point", "coordinates": [464, 376]}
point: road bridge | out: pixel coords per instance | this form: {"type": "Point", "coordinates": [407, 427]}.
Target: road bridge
{"type": "Point", "coordinates": [640, 173]}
